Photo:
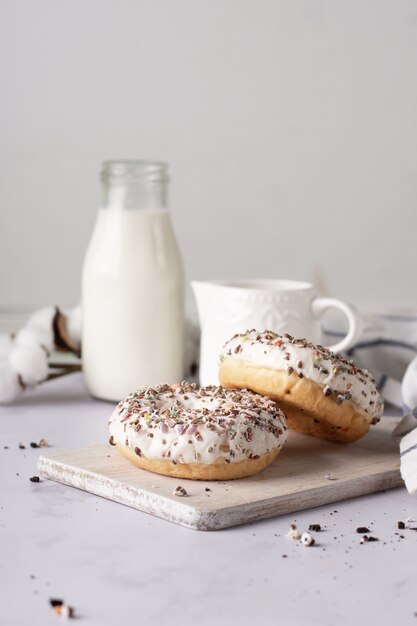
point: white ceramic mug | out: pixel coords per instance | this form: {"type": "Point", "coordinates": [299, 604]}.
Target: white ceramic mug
{"type": "Point", "coordinates": [284, 306]}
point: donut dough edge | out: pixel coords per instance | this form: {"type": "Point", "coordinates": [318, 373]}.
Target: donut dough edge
{"type": "Point", "coordinates": [201, 471]}
{"type": "Point", "coordinates": [307, 409]}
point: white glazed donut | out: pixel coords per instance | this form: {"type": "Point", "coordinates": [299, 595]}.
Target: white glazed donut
{"type": "Point", "coordinates": [204, 433]}
{"type": "Point", "coordinates": [321, 393]}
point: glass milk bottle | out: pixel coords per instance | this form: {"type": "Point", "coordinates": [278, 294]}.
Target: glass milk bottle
{"type": "Point", "coordinates": [132, 285]}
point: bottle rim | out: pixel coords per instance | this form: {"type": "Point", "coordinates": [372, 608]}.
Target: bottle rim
{"type": "Point", "coordinates": [134, 169]}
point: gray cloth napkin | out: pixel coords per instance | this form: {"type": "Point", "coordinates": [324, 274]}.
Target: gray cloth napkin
{"type": "Point", "coordinates": [388, 349]}
{"type": "Point", "coordinates": [406, 431]}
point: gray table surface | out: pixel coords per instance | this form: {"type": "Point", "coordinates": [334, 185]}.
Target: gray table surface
{"type": "Point", "coordinates": [117, 565]}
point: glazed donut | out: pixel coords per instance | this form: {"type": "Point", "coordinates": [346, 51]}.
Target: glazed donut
{"type": "Point", "coordinates": [204, 433]}
{"type": "Point", "coordinates": [321, 393]}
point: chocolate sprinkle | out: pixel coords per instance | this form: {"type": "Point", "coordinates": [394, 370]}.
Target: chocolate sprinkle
{"type": "Point", "coordinates": [368, 538]}
{"type": "Point", "coordinates": [315, 527]}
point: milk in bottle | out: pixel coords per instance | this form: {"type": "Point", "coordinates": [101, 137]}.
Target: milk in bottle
{"type": "Point", "coordinates": [132, 285]}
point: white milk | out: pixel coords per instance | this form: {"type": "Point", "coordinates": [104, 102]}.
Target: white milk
{"type": "Point", "coordinates": [132, 303]}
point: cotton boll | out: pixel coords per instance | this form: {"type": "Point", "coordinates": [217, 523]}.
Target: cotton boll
{"type": "Point", "coordinates": [10, 388]}
{"type": "Point", "coordinates": [63, 340]}
{"type": "Point", "coordinates": [6, 345]}
{"type": "Point", "coordinates": [30, 362]}
{"type": "Point", "coordinates": [34, 336]}
{"type": "Point", "coordinates": [73, 324]}
{"type": "Point", "coordinates": [42, 318]}
{"type": "Point", "coordinates": [409, 386]}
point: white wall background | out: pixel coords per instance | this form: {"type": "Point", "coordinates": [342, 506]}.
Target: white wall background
{"type": "Point", "coordinates": [290, 126]}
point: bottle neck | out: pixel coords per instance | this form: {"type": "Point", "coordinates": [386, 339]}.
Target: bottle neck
{"type": "Point", "coordinates": [134, 185]}
{"type": "Point", "coordinates": [135, 195]}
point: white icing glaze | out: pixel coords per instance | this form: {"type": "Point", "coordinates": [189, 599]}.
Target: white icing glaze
{"type": "Point", "coordinates": [338, 377]}
{"type": "Point", "coordinates": [187, 424]}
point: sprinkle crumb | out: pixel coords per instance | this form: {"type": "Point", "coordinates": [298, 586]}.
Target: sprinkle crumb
{"type": "Point", "coordinates": [179, 492]}
{"type": "Point", "coordinates": [60, 608]}
{"type": "Point", "coordinates": [368, 538]}
{"type": "Point", "coordinates": [400, 525]}
{"type": "Point", "coordinates": [362, 529]}
{"type": "Point", "coordinates": [34, 479]}
{"type": "Point", "coordinates": [293, 532]}
{"type": "Point", "coordinates": [42, 443]}
{"type": "Point", "coordinates": [307, 539]}
{"type": "Point", "coordinates": [315, 528]}
{"type": "Point", "coordinates": [207, 489]}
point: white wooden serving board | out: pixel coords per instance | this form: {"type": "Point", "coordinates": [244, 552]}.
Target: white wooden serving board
{"type": "Point", "coordinates": [295, 481]}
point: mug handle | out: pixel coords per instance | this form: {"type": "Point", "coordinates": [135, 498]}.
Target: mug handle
{"type": "Point", "coordinates": [319, 305]}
